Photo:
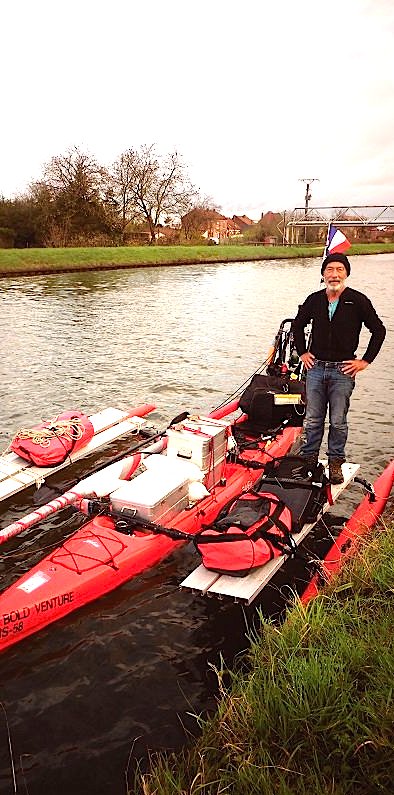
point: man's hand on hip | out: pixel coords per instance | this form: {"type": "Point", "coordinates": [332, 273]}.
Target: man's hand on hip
{"type": "Point", "coordinates": [354, 366]}
{"type": "Point", "coordinates": [308, 360]}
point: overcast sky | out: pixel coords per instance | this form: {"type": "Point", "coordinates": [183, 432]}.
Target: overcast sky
{"type": "Point", "coordinates": [255, 95]}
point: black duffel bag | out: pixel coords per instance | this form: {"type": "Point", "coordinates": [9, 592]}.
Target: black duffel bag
{"type": "Point", "coordinates": [267, 402]}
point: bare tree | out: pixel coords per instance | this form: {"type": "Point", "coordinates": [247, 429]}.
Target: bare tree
{"type": "Point", "coordinates": [76, 193]}
{"type": "Point", "coordinates": [121, 181]}
{"type": "Point", "coordinates": [76, 173]}
{"type": "Point", "coordinates": [150, 187]}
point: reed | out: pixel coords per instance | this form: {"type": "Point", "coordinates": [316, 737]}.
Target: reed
{"type": "Point", "coordinates": [314, 713]}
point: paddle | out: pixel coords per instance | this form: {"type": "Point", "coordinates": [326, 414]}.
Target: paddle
{"type": "Point", "coordinates": [148, 441]}
{"type": "Point", "coordinates": [115, 472]}
{"type": "Point", "coordinates": [100, 484]}
{"type": "Point", "coordinates": [216, 414]}
{"type": "Point", "coordinates": [141, 445]}
{"type": "Point", "coordinates": [121, 468]}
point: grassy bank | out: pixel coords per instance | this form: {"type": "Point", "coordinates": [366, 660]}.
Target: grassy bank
{"type": "Point", "coordinates": [30, 261]}
{"type": "Point", "coordinates": [315, 712]}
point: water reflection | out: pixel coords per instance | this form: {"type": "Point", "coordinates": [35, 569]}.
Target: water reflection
{"type": "Point", "coordinates": [133, 667]}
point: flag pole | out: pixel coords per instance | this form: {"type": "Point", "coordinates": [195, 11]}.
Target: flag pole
{"type": "Point", "coordinates": [308, 339]}
{"type": "Point", "coordinates": [327, 240]}
{"type": "Point", "coordinates": [325, 252]}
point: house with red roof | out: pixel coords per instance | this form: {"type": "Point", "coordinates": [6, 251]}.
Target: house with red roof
{"type": "Point", "coordinates": [243, 222]}
{"type": "Point", "coordinates": [209, 224]}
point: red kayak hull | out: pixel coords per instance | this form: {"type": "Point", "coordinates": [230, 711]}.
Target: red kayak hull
{"type": "Point", "coordinates": [97, 558]}
{"type": "Point", "coordinates": [361, 521]}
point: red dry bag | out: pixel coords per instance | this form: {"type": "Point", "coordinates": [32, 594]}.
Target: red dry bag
{"type": "Point", "coordinates": [247, 534]}
{"type": "Point", "coordinates": [50, 443]}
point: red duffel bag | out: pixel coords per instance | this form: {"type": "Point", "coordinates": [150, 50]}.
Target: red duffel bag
{"type": "Point", "coordinates": [247, 534]}
{"type": "Point", "coordinates": [51, 442]}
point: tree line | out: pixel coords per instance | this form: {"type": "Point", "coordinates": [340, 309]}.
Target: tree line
{"type": "Point", "coordinates": [78, 202]}
{"type": "Point", "coordinates": [142, 195]}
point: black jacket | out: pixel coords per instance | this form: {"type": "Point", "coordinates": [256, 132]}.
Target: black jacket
{"type": "Point", "coordinates": [337, 339]}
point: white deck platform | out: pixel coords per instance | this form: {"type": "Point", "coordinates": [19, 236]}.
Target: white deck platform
{"type": "Point", "coordinates": [17, 474]}
{"type": "Point", "coordinates": [245, 589]}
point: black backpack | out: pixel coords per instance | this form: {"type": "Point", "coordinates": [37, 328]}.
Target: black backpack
{"type": "Point", "coordinates": [267, 400]}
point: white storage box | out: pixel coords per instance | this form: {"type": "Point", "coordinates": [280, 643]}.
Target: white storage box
{"type": "Point", "coordinates": [156, 496]}
{"type": "Point", "coordinates": [193, 473]}
{"type": "Point", "coordinates": [159, 462]}
{"type": "Point", "coordinates": [203, 442]}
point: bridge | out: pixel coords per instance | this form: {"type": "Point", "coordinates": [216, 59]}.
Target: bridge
{"type": "Point", "coordinates": [364, 216]}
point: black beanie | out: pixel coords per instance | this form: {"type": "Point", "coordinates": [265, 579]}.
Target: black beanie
{"type": "Point", "coordinates": [336, 258]}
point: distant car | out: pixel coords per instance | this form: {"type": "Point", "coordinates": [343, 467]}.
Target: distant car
{"type": "Point", "coordinates": [213, 241]}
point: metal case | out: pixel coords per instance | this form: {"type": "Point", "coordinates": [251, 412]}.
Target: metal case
{"type": "Point", "coordinates": [202, 441]}
{"type": "Point", "coordinates": [154, 495]}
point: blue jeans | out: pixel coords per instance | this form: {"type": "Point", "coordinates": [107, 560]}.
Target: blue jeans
{"type": "Point", "coordinates": [327, 386]}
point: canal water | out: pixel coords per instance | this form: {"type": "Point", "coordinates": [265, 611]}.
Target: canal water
{"type": "Point", "coordinates": [128, 674]}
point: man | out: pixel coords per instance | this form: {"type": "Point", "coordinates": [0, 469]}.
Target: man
{"type": "Point", "coordinates": [337, 314]}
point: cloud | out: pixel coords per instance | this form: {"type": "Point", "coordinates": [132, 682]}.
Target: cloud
{"type": "Point", "coordinates": [254, 98]}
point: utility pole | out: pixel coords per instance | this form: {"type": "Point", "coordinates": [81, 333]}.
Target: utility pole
{"type": "Point", "coordinates": [308, 196]}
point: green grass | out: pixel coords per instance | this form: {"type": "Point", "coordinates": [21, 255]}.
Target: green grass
{"type": "Point", "coordinates": [54, 260]}
{"type": "Point", "coordinates": [315, 712]}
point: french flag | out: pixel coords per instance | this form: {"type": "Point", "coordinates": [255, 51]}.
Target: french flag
{"type": "Point", "coordinates": [336, 241]}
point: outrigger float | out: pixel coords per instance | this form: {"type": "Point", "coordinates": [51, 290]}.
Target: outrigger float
{"type": "Point", "coordinates": [18, 474]}
{"type": "Point", "coordinates": [172, 487]}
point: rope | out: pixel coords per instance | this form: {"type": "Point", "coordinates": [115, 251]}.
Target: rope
{"type": "Point", "coordinates": [69, 429]}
